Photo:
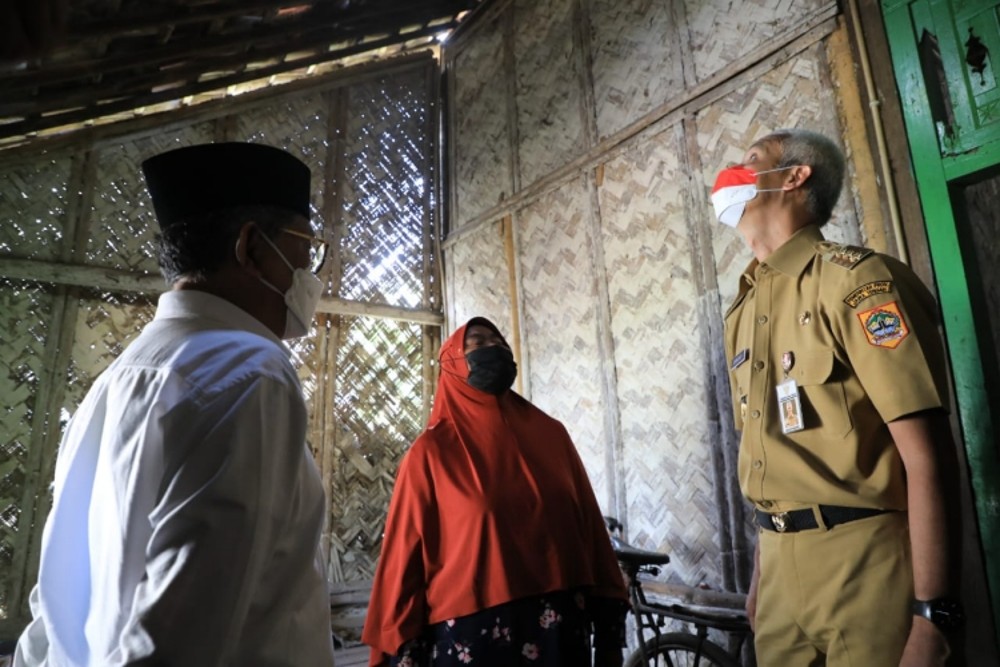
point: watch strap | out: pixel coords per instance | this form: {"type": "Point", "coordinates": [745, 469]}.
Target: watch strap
{"type": "Point", "coordinates": [945, 613]}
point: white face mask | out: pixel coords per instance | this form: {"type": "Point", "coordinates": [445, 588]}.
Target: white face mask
{"type": "Point", "coordinates": [300, 299]}
{"type": "Point", "coordinates": [734, 187]}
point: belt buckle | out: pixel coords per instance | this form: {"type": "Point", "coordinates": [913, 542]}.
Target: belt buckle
{"type": "Point", "coordinates": [780, 521]}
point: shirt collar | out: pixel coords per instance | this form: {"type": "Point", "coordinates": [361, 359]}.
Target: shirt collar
{"type": "Point", "coordinates": [188, 304]}
{"type": "Point", "coordinates": [792, 257]}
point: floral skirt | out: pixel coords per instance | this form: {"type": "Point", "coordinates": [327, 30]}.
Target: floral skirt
{"type": "Point", "coordinates": [549, 630]}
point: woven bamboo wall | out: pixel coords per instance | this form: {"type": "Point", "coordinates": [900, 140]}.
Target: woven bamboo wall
{"type": "Point", "coordinates": [370, 140]}
{"type": "Point", "coordinates": [478, 283]}
{"type": "Point", "coordinates": [634, 70]}
{"type": "Point", "coordinates": [721, 33]}
{"type": "Point", "coordinates": [660, 362]}
{"type": "Point", "coordinates": [546, 69]}
{"type": "Point", "coordinates": [622, 275]}
{"type": "Point", "coordinates": [560, 341]}
{"type": "Point", "coordinates": [478, 109]}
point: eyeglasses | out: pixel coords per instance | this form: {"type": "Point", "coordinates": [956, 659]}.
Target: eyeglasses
{"type": "Point", "coordinates": [318, 248]}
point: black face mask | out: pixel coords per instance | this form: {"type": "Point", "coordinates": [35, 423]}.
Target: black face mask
{"type": "Point", "coordinates": [491, 369]}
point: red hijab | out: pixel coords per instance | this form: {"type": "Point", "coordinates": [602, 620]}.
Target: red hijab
{"type": "Point", "coordinates": [491, 504]}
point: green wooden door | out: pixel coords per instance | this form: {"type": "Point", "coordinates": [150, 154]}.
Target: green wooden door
{"type": "Point", "coordinates": [944, 53]}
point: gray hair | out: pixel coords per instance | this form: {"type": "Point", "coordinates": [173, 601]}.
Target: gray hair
{"type": "Point", "coordinates": [805, 147]}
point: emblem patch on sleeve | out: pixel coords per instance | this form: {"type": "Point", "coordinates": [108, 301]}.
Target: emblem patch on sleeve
{"type": "Point", "coordinates": [884, 325]}
{"type": "Point", "coordinates": [867, 290]}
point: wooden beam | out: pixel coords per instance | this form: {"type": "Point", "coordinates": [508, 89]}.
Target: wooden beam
{"type": "Point", "coordinates": [286, 35]}
{"type": "Point", "coordinates": [117, 26]}
{"type": "Point", "coordinates": [156, 123]}
{"type": "Point", "coordinates": [321, 10]}
{"type": "Point", "coordinates": [78, 115]}
{"type": "Point", "coordinates": [60, 273]}
{"type": "Point", "coordinates": [187, 61]}
{"type": "Point", "coordinates": [116, 280]}
{"type": "Point", "coordinates": [338, 306]}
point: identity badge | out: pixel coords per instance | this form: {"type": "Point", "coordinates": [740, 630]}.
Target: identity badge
{"type": "Point", "coordinates": [790, 407]}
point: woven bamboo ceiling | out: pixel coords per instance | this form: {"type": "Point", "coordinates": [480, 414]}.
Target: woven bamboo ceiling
{"type": "Point", "coordinates": [65, 62]}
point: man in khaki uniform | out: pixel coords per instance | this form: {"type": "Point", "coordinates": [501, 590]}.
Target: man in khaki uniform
{"type": "Point", "coordinates": [837, 377]}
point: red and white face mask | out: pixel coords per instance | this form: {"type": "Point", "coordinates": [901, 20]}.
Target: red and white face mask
{"type": "Point", "coordinates": [734, 187]}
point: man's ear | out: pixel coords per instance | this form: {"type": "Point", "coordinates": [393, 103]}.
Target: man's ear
{"type": "Point", "coordinates": [246, 247]}
{"type": "Point", "coordinates": [797, 176]}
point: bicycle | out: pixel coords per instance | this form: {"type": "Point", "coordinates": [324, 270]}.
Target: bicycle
{"type": "Point", "coordinates": [703, 609]}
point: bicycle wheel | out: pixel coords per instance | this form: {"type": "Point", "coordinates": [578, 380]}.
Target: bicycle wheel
{"type": "Point", "coordinates": [681, 649]}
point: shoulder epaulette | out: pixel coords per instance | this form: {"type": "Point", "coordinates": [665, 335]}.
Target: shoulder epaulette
{"type": "Point", "coordinates": [847, 256]}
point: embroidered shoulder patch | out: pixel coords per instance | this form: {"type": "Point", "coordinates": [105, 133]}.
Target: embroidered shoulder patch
{"type": "Point", "coordinates": [868, 290]}
{"type": "Point", "coordinates": [884, 325]}
{"type": "Point", "coordinates": [847, 256]}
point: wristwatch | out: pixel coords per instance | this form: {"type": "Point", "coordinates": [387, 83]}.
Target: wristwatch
{"type": "Point", "coordinates": [945, 613]}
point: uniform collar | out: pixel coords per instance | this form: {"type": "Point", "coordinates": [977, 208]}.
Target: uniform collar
{"type": "Point", "coordinates": [194, 304]}
{"type": "Point", "coordinates": [792, 257]}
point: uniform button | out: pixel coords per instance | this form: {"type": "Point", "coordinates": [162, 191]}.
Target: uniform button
{"type": "Point", "coordinates": [762, 319]}
{"type": "Point", "coordinates": [758, 464]}
{"type": "Point", "coordinates": [766, 504]}
{"type": "Point", "coordinates": [758, 365]}
{"type": "Point", "coordinates": [755, 414]}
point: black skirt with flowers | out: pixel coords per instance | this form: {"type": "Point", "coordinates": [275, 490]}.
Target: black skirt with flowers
{"type": "Point", "coordinates": [549, 630]}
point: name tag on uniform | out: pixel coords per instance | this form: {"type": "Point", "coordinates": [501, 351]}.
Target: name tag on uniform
{"type": "Point", "coordinates": [790, 407]}
{"type": "Point", "coordinates": [740, 357]}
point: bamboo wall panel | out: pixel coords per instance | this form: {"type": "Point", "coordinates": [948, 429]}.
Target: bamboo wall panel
{"type": "Point", "coordinates": [721, 32]}
{"type": "Point", "coordinates": [549, 121]}
{"type": "Point", "coordinates": [661, 367]}
{"type": "Point", "coordinates": [636, 60]}
{"type": "Point", "coordinates": [121, 208]}
{"type": "Point", "coordinates": [104, 328]}
{"type": "Point", "coordinates": [479, 115]}
{"type": "Point", "coordinates": [388, 172]}
{"type": "Point", "coordinates": [33, 203]}
{"type": "Point", "coordinates": [379, 370]}
{"type": "Point", "coordinates": [560, 326]}
{"type": "Point", "coordinates": [299, 125]}
{"type": "Point", "coordinates": [797, 93]}
{"type": "Point", "coordinates": [477, 281]}
{"type": "Point", "coordinates": [25, 315]}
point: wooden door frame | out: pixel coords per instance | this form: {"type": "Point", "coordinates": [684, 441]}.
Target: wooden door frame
{"type": "Point", "coordinates": [924, 194]}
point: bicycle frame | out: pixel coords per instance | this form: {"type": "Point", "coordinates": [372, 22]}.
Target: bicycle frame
{"type": "Point", "coordinates": [652, 616]}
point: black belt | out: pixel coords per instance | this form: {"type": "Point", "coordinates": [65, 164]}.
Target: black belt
{"type": "Point", "coordinates": [804, 519]}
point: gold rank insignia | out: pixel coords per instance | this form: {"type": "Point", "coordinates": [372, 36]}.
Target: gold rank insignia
{"type": "Point", "coordinates": [847, 256]}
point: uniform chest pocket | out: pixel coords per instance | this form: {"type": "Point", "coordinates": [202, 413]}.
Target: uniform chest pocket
{"type": "Point", "coordinates": [824, 403]}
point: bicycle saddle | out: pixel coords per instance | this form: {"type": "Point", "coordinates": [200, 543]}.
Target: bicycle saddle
{"type": "Point", "coordinates": [637, 557]}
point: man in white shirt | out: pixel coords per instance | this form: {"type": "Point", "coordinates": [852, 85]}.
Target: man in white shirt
{"type": "Point", "coordinates": [187, 507]}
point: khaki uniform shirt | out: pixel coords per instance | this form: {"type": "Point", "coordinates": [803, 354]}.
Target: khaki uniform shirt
{"type": "Point", "coordinates": [856, 331]}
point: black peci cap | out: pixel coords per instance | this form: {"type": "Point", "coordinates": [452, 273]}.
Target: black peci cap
{"type": "Point", "coordinates": [200, 179]}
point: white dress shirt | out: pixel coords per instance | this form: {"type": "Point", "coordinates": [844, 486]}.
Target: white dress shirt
{"type": "Point", "coordinates": [187, 508]}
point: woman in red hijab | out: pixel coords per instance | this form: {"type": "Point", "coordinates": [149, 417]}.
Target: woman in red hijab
{"type": "Point", "coordinates": [495, 551]}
